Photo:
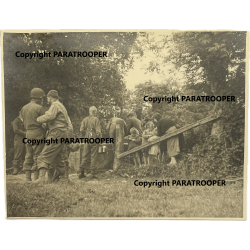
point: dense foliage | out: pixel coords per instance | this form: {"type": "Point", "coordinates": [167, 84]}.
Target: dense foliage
{"type": "Point", "coordinates": [213, 64]}
{"type": "Point", "coordinates": [81, 82]}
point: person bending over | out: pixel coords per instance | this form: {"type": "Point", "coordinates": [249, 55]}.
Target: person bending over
{"type": "Point", "coordinates": [171, 146]}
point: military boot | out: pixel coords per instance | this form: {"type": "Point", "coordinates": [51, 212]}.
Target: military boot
{"type": "Point", "coordinates": [81, 175]}
{"type": "Point", "coordinates": [41, 178]}
{"type": "Point", "coordinates": [59, 172]}
{"type": "Point", "coordinates": [36, 174]}
{"type": "Point", "coordinates": [16, 171]}
{"type": "Point", "coordinates": [50, 175]}
{"type": "Point", "coordinates": [28, 175]}
{"type": "Point", "coordinates": [66, 174]}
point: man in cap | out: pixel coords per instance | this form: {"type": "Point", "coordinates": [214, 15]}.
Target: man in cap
{"type": "Point", "coordinates": [58, 124]}
{"type": "Point", "coordinates": [53, 175]}
{"type": "Point", "coordinates": [133, 122]}
{"type": "Point", "coordinates": [19, 146]}
{"type": "Point", "coordinates": [90, 128]}
{"type": "Point", "coordinates": [34, 130]}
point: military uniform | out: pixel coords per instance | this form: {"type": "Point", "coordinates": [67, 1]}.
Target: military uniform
{"type": "Point", "coordinates": [34, 130]}
{"type": "Point", "coordinates": [67, 150]}
{"type": "Point", "coordinates": [58, 124]}
{"type": "Point", "coordinates": [90, 128]}
{"type": "Point", "coordinates": [19, 146]}
{"type": "Point", "coordinates": [133, 122]}
{"type": "Point", "coordinates": [112, 126]}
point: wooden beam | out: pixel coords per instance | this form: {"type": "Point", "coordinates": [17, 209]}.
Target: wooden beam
{"type": "Point", "coordinates": [119, 147]}
{"type": "Point", "coordinates": [169, 135]}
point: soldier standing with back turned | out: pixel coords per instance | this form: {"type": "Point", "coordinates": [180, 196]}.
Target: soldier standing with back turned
{"type": "Point", "coordinates": [34, 130]}
{"type": "Point", "coordinates": [90, 128]}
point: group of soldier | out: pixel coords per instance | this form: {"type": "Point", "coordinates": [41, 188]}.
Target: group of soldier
{"type": "Point", "coordinates": [34, 123]}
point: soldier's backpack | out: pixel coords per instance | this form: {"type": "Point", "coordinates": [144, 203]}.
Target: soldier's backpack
{"type": "Point", "coordinates": [90, 130]}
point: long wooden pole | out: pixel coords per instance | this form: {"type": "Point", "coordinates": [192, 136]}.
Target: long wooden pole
{"type": "Point", "coordinates": [169, 135]}
{"type": "Point", "coordinates": [119, 147]}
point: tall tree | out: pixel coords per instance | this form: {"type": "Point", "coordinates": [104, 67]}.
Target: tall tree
{"type": "Point", "coordinates": [81, 82]}
{"type": "Point", "coordinates": [214, 64]}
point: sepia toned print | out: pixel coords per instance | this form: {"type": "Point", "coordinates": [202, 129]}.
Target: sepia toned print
{"type": "Point", "coordinates": [125, 124]}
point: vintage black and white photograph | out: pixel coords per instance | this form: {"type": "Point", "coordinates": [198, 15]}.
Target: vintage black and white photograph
{"type": "Point", "coordinates": [126, 124]}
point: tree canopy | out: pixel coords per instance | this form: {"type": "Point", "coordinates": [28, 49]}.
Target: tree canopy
{"type": "Point", "coordinates": [212, 63]}
{"type": "Point", "coordinates": [81, 82]}
{"type": "Point", "coordinates": [184, 63]}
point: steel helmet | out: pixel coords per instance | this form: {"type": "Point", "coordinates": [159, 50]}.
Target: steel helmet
{"type": "Point", "coordinates": [37, 93]}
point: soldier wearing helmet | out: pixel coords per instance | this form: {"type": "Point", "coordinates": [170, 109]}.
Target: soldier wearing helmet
{"type": "Point", "coordinates": [59, 124]}
{"type": "Point", "coordinates": [90, 128]}
{"type": "Point", "coordinates": [34, 130]}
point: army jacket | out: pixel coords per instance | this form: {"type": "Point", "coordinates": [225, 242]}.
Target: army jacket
{"type": "Point", "coordinates": [56, 117]}
{"type": "Point", "coordinates": [19, 130]}
{"type": "Point", "coordinates": [91, 127]}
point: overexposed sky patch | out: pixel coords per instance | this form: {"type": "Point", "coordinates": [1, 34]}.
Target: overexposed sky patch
{"type": "Point", "coordinates": [139, 74]}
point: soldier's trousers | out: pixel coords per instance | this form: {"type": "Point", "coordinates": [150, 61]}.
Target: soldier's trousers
{"type": "Point", "coordinates": [54, 152]}
{"type": "Point", "coordinates": [89, 158]}
{"type": "Point", "coordinates": [66, 151]}
{"type": "Point", "coordinates": [32, 152]}
{"type": "Point", "coordinates": [19, 154]}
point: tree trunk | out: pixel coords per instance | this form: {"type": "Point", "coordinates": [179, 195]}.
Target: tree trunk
{"type": "Point", "coordinates": [219, 107]}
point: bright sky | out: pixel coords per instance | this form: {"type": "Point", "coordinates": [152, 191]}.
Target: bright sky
{"type": "Point", "coordinates": [138, 74]}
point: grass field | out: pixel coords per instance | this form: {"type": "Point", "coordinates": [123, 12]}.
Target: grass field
{"type": "Point", "coordinates": [115, 196]}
